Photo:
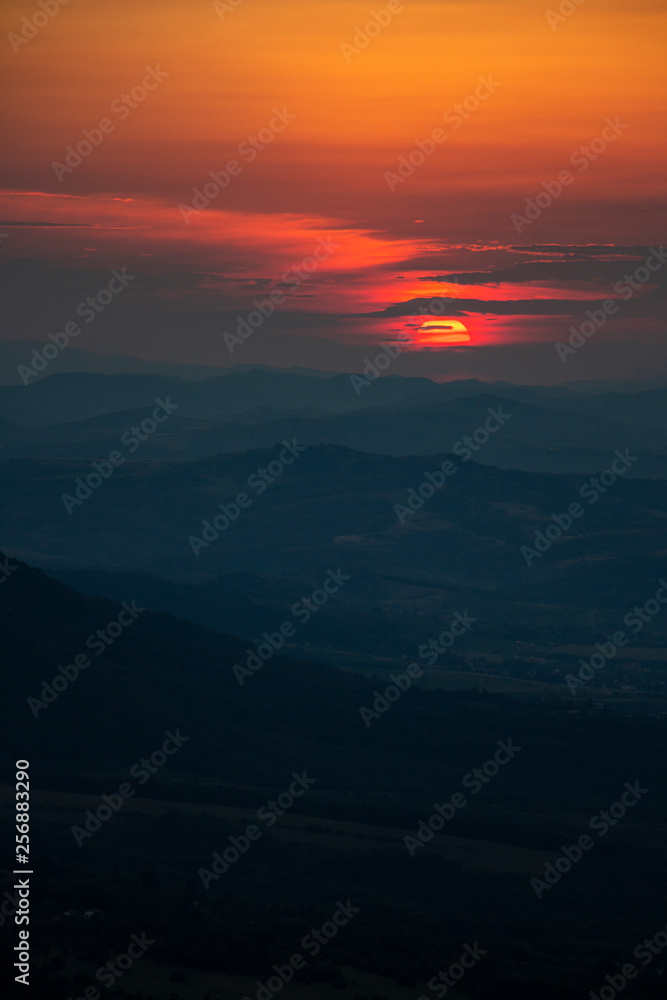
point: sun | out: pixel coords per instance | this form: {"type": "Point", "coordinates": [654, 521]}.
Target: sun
{"type": "Point", "coordinates": [441, 332]}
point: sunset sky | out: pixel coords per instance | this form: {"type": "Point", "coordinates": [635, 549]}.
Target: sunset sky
{"type": "Point", "coordinates": [334, 111]}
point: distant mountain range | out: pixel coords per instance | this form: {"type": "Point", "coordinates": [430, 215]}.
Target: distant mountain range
{"type": "Point", "coordinates": [75, 359]}
{"type": "Point", "coordinates": [336, 507]}
{"type": "Point", "coordinates": [84, 416]}
{"type": "Point", "coordinates": [66, 398]}
{"type": "Point", "coordinates": [14, 353]}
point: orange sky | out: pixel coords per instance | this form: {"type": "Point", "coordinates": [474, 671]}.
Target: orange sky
{"type": "Point", "coordinates": [325, 172]}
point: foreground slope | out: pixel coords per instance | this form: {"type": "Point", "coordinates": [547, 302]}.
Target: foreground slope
{"type": "Point", "coordinates": [244, 743]}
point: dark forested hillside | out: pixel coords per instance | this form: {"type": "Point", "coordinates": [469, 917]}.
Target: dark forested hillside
{"type": "Point", "coordinates": [244, 744]}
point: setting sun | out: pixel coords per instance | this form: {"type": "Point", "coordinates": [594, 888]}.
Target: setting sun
{"type": "Point", "coordinates": [440, 332]}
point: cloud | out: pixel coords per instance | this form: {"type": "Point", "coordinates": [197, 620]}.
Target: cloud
{"type": "Point", "coordinates": [637, 306]}
{"type": "Point", "coordinates": [606, 250]}
{"type": "Point", "coordinates": [572, 272]}
{"type": "Point", "coordinates": [65, 225]}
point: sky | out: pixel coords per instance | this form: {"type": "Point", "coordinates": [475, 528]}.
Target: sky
{"type": "Point", "coordinates": [465, 180]}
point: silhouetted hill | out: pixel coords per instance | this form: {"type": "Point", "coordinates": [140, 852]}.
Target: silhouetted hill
{"type": "Point", "coordinates": [648, 407]}
{"type": "Point", "coordinates": [242, 747]}
{"type": "Point", "coordinates": [69, 397]}
{"type": "Point", "coordinates": [75, 359]}
{"type": "Point", "coordinates": [336, 507]}
{"type": "Point", "coordinates": [534, 438]}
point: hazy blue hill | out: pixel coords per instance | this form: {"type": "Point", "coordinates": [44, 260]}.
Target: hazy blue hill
{"type": "Point", "coordinates": [74, 359]}
{"type": "Point", "coordinates": [537, 437]}
{"type": "Point", "coordinates": [648, 407]}
{"type": "Point", "coordinates": [334, 507]}
{"type": "Point", "coordinates": [585, 386]}
{"type": "Point", "coordinates": [70, 397]}
{"type": "Point", "coordinates": [224, 604]}
{"type": "Point", "coordinates": [162, 672]}
{"type": "Point", "coordinates": [61, 399]}
{"type": "Point", "coordinates": [92, 437]}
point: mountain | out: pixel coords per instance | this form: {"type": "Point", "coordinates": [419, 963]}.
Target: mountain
{"type": "Point", "coordinates": [76, 360]}
{"type": "Point", "coordinates": [99, 729]}
{"type": "Point", "coordinates": [161, 672]}
{"type": "Point", "coordinates": [66, 398]}
{"type": "Point", "coordinates": [648, 407]}
{"type": "Point", "coordinates": [534, 437]}
{"type": "Point", "coordinates": [336, 507]}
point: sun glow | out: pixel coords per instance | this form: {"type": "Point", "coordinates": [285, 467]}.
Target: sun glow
{"type": "Point", "coordinates": [440, 332]}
